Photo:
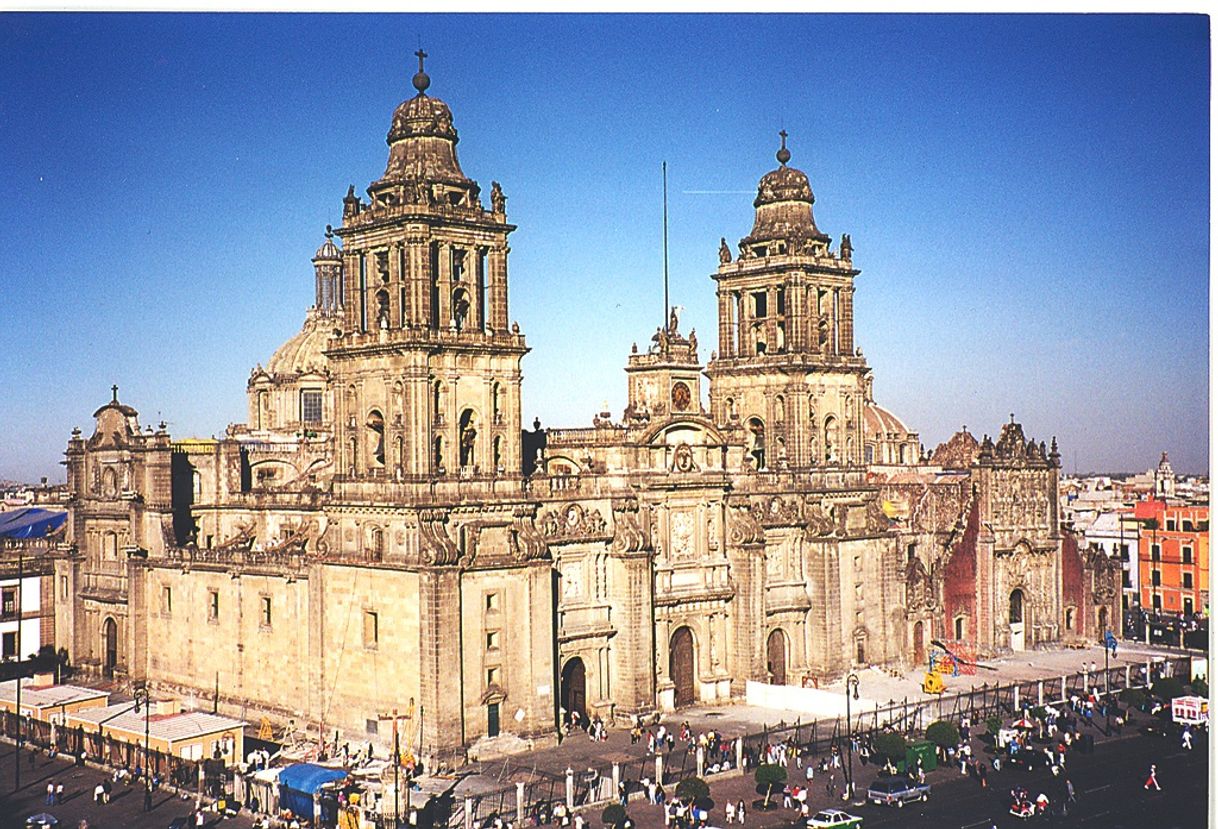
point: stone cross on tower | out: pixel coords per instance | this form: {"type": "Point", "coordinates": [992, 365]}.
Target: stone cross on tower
{"type": "Point", "coordinates": [114, 391]}
{"type": "Point", "coordinates": [783, 155]}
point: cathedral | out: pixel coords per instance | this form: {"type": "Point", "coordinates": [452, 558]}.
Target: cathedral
{"type": "Point", "coordinates": [383, 532]}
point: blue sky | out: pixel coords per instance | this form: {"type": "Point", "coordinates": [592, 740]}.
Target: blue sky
{"type": "Point", "coordinates": [1028, 197]}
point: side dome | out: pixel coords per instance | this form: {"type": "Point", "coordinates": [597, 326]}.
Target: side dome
{"type": "Point", "coordinates": [879, 421]}
{"type": "Point", "coordinates": [304, 352]}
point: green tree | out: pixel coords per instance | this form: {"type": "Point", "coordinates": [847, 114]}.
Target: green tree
{"type": "Point", "coordinates": [693, 788]}
{"type": "Point", "coordinates": [890, 745]}
{"type": "Point", "coordinates": [769, 776]}
{"type": "Point", "coordinates": [993, 725]}
{"type": "Point", "coordinates": [943, 734]}
{"type": "Point", "coordinates": [1200, 687]}
{"type": "Point", "coordinates": [614, 815]}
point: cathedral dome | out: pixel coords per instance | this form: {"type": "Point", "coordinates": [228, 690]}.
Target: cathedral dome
{"type": "Point", "coordinates": [784, 209]}
{"type": "Point", "coordinates": [303, 352]}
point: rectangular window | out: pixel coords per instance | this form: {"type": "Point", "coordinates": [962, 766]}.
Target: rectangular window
{"type": "Point", "coordinates": [1125, 581]}
{"type": "Point", "coordinates": [166, 599]}
{"type": "Point", "coordinates": [759, 304]}
{"type": "Point", "coordinates": [1155, 578]}
{"type": "Point", "coordinates": [1186, 555]}
{"type": "Point", "coordinates": [492, 676]}
{"type": "Point", "coordinates": [1125, 552]}
{"type": "Point", "coordinates": [310, 406]}
{"type": "Point", "coordinates": [492, 640]}
{"type": "Point", "coordinates": [781, 301]}
{"type": "Point", "coordinates": [959, 628]}
{"type": "Point", "coordinates": [8, 605]}
{"type": "Point", "coordinates": [1188, 606]}
{"type": "Point", "coordinates": [1187, 525]}
{"type": "Point", "coordinates": [63, 587]}
{"type": "Point", "coordinates": [372, 727]}
{"type": "Point", "coordinates": [266, 611]}
{"type": "Point", "coordinates": [10, 645]}
{"type": "Point", "coordinates": [458, 264]}
{"type": "Point", "coordinates": [372, 632]}
{"type": "Point", "coordinates": [1171, 524]}
{"type": "Point", "coordinates": [1188, 580]}
{"type": "Point", "coordinates": [1157, 602]}
{"type": "Point", "coordinates": [1154, 552]}
{"type": "Point", "coordinates": [213, 605]}
{"type": "Point", "coordinates": [492, 601]}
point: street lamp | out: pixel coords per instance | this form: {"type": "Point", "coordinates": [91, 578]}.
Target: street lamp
{"type": "Point", "coordinates": [142, 699]}
{"type": "Point", "coordinates": [852, 687]}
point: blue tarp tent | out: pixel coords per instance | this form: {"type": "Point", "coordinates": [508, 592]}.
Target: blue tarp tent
{"type": "Point", "coordinates": [299, 781]}
{"type": "Point", "coordinates": [30, 522]}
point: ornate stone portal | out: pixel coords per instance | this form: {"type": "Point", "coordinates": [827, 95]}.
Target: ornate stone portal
{"type": "Point", "coordinates": [374, 537]}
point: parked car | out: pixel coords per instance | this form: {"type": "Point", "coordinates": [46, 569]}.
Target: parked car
{"type": "Point", "coordinates": [42, 820]}
{"type": "Point", "coordinates": [1028, 759]}
{"type": "Point", "coordinates": [833, 819]}
{"type": "Point", "coordinates": [887, 791]}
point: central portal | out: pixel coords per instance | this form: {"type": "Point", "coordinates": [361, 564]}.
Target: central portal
{"type": "Point", "coordinates": [681, 666]}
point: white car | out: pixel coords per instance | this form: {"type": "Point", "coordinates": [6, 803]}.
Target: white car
{"type": "Point", "coordinates": [834, 819]}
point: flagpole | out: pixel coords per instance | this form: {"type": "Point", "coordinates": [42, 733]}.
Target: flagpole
{"type": "Point", "coordinates": [664, 174]}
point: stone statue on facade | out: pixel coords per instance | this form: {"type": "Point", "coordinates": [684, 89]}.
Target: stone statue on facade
{"type": "Point", "coordinates": [847, 248]}
{"type": "Point", "coordinates": [498, 200]}
{"type": "Point", "coordinates": [725, 253]}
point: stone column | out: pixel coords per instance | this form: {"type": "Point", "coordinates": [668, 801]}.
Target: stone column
{"type": "Point", "coordinates": [520, 803]}
{"type": "Point", "coordinates": [847, 320]}
{"type": "Point", "coordinates": [440, 669]}
{"type": "Point", "coordinates": [725, 324]}
{"type": "Point", "coordinates": [497, 288]}
{"type": "Point", "coordinates": [444, 281]}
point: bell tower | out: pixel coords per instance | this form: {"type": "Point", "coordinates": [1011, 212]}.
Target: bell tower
{"type": "Point", "coordinates": [426, 367]}
{"type": "Point", "coordinates": [787, 369]}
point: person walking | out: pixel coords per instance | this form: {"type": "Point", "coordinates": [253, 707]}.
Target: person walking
{"type": "Point", "coordinates": [58, 794]}
{"type": "Point", "coordinates": [740, 811]}
{"type": "Point", "coordinates": [1186, 739]}
{"type": "Point", "coordinates": [1151, 780]}
{"type": "Point", "coordinates": [731, 812]}
{"type": "Point", "coordinates": [50, 794]}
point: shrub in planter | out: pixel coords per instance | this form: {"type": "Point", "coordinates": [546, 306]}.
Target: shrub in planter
{"type": "Point", "coordinates": [943, 734]}
{"type": "Point", "coordinates": [614, 815]}
{"type": "Point", "coordinates": [769, 776]}
{"type": "Point", "coordinates": [693, 789]}
{"type": "Point", "coordinates": [993, 725]}
{"type": "Point", "coordinates": [890, 745]}
{"type": "Point", "coordinates": [1133, 697]}
{"type": "Point", "coordinates": [1169, 688]}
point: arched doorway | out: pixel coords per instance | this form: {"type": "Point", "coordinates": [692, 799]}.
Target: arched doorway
{"type": "Point", "coordinates": [1015, 617]}
{"type": "Point", "coordinates": [681, 666]}
{"type": "Point", "coordinates": [776, 657]}
{"type": "Point", "coordinates": [1103, 626]}
{"type": "Point", "coordinates": [919, 643]}
{"type": "Point", "coordinates": [573, 693]}
{"type": "Point", "coordinates": [109, 647]}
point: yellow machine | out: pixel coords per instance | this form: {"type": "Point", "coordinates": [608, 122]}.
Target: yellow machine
{"type": "Point", "coordinates": [933, 683]}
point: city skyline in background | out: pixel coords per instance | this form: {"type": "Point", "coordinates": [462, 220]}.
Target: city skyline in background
{"type": "Point", "coordinates": [1027, 198]}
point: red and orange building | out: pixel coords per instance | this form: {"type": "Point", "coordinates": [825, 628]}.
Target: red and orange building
{"type": "Point", "coordinates": [1173, 557]}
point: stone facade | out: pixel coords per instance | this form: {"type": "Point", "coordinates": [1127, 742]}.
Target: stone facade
{"type": "Point", "coordinates": [375, 538]}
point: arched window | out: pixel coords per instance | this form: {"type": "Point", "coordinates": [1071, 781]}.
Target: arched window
{"type": "Point", "coordinates": [437, 405]}
{"type": "Point", "coordinates": [438, 455]}
{"type": "Point", "coordinates": [780, 408]}
{"type": "Point", "coordinates": [1016, 607]}
{"type": "Point", "coordinates": [497, 451]}
{"type": "Point", "coordinates": [496, 403]}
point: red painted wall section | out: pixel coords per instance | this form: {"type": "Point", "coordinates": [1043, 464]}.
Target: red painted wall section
{"type": "Point", "coordinates": [1073, 587]}
{"type": "Point", "coordinates": [960, 579]}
